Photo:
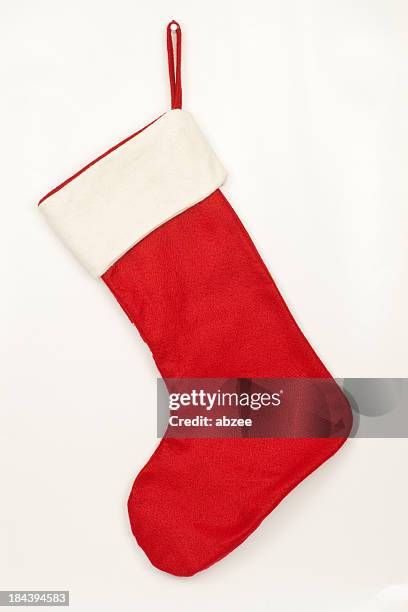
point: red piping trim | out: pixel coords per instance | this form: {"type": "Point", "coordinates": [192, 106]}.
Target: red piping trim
{"type": "Point", "coordinates": [74, 176]}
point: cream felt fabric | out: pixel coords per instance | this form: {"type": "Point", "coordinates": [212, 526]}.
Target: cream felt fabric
{"type": "Point", "coordinates": [125, 195]}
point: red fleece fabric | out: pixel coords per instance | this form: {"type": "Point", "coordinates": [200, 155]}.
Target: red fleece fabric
{"type": "Point", "coordinates": [206, 305]}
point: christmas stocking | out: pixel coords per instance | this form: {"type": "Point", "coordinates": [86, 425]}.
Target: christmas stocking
{"type": "Point", "coordinates": [149, 219]}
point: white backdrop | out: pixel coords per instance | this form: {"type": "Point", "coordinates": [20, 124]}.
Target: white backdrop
{"type": "Point", "coordinates": [305, 103]}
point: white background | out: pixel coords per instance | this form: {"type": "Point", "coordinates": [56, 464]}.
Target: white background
{"type": "Point", "coordinates": [306, 104]}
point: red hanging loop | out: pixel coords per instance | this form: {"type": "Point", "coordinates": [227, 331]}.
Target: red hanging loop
{"type": "Point", "coordinates": [174, 55]}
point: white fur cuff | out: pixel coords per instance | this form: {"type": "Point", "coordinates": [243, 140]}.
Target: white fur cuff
{"type": "Point", "coordinates": [154, 176]}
